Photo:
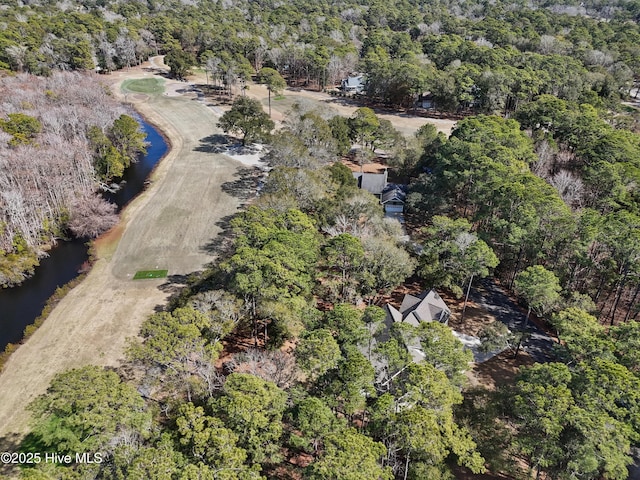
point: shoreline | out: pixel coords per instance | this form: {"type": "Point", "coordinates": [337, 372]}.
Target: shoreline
{"type": "Point", "coordinates": [43, 250]}
{"type": "Point", "coordinates": [116, 231]}
{"type": "Point", "coordinates": [170, 223]}
{"type": "Point", "coordinates": [93, 248]}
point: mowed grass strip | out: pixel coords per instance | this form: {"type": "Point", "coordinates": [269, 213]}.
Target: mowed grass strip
{"type": "Point", "coordinates": [150, 274]}
{"type": "Point", "coordinates": [144, 85]}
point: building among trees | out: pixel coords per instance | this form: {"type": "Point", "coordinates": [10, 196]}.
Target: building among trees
{"type": "Point", "coordinates": [374, 183]}
{"type": "Point", "coordinates": [353, 84]}
{"type": "Point", "coordinates": [415, 310]}
{"type": "Point", "coordinates": [393, 199]}
{"type": "Point", "coordinates": [426, 307]}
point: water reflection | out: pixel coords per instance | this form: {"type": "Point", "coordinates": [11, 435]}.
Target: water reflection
{"type": "Point", "coordinates": [21, 305]}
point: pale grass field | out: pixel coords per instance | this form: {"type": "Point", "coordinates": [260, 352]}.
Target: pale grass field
{"type": "Point", "coordinates": [166, 227]}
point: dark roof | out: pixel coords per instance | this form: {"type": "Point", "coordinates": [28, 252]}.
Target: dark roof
{"type": "Point", "coordinates": [371, 182]}
{"type": "Point", "coordinates": [394, 193]}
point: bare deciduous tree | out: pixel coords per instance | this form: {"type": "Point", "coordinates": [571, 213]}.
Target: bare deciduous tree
{"type": "Point", "coordinates": [277, 367]}
{"type": "Point", "coordinates": [125, 48]}
{"type": "Point", "coordinates": [91, 215]}
{"type": "Point", "coordinates": [44, 181]}
{"type": "Point", "coordinates": [569, 186]}
{"type": "Point", "coordinates": [545, 159]}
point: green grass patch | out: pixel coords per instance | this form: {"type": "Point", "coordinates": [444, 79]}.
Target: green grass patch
{"type": "Point", "coordinates": [150, 274]}
{"type": "Point", "coordinates": [285, 102]}
{"type": "Point", "coordinates": [144, 85]}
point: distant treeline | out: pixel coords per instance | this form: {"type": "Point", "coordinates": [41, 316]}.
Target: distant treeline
{"type": "Point", "coordinates": [487, 57]}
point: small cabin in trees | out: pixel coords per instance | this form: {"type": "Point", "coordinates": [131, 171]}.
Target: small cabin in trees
{"type": "Point", "coordinates": [426, 307]}
{"type": "Point", "coordinates": [353, 84]}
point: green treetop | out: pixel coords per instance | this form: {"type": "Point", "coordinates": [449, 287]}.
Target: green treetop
{"type": "Point", "coordinates": [85, 408]}
{"type": "Point", "coordinates": [246, 118]}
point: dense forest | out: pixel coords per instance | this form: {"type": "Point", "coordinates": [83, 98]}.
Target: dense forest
{"type": "Point", "coordinates": [265, 409]}
{"type": "Point", "coordinates": [306, 263]}
{"type": "Point", "coordinates": [468, 55]}
{"type": "Point", "coordinates": [537, 185]}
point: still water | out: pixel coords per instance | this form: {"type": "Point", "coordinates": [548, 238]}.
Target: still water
{"type": "Point", "coordinates": [20, 306]}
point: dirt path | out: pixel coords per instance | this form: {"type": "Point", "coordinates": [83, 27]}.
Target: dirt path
{"type": "Point", "coordinates": [168, 227]}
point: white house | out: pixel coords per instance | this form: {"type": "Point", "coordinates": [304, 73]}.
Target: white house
{"type": "Point", "coordinates": [353, 84]}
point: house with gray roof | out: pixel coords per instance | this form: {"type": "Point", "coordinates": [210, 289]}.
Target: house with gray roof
{"type": "Point", "coordinates": [374, 183]}
{"type": "Point", "coordinates": [353, 84]}
{"type": "Point", "coordinates": [426, 307]}
{"type": "Point", "coordinates": [393, 198]}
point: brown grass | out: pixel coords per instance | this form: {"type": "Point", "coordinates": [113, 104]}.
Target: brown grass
{"type": "Point", "coordinates": [405, 123]}
{"type": "Point", "coordinates": [475, 317]}
{"type": "Point", "coordinates": [109, 240]}
{"type": "Point", "coordinates": [168, 225]}
{"type": "Point", "coordinates": [376, 166]}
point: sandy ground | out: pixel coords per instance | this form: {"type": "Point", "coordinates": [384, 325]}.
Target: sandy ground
{"type": "Point", "coordinates": [405, 123]}
{"type": "Point", "coordinates": [168, 226]}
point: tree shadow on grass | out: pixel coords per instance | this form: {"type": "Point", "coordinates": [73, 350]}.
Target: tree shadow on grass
{"type": "Point", "coordinates": [216, 143]}
{"type": "Point", "coordinates": [158, 71]}
{"type": "Point", "coordinates": [176, 286]}
{"type": "Point", "coordinates": [174, 283]}
{"type": "Point", "coordinates": [16, 443]}
{"type": "Point", "coordinates": [217, 93]}
{"type": "Point", "coordinates": [221, 245]}
{"type": "Point", "coordinates": [246, 184]}
{"type": "Point", "coordinates": [9, 443]}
